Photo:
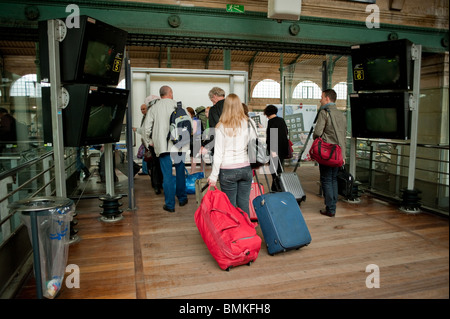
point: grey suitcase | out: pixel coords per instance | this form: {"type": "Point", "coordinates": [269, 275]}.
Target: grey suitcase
{"type": "Point", "coordinates": [290, 182]}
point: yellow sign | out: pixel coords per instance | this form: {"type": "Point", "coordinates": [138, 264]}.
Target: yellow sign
{"type": "Point", "coordinates": [117, 65]}
{"type": "Point", "coordinates": [358, 74]}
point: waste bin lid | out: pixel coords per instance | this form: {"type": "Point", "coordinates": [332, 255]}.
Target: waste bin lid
{"type": "Point", "coordinates": [37, 204]}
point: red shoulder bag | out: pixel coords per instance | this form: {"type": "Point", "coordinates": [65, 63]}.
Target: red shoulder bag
{"type": "Point", "coordinates": [326, 153]}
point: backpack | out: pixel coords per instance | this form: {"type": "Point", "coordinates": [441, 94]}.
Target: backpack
{"type": "Point", "coordinates": [200, 112]}
{"type": "Point", "coordinates": [199, 126]}
{"type": "Point", "coordinates": [180, 127]}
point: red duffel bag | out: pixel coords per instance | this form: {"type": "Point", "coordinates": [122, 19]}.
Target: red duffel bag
{"type": "Point", "coordinates": [227, 231]}
{"type": "Point", "coordinates": [326, 154]}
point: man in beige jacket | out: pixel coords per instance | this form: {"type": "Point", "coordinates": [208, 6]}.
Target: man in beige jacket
{"type": "Point", "coordinates": [157, 125]}
{"type": "Point", "coordinates": [332, 130]}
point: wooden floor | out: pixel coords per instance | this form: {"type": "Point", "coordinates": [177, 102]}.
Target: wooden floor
{"type": "Point", "coordinates": [155, 254]}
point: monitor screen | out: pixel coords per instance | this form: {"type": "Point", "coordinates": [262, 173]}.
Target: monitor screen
{"type": "Point", "coordinates": [382, 66]}
{"type": "Point", "coordinates": [105, 112]}
{"type": "Point", "coordinates": [99, 58]}
{"type": "Point", "coordinates": [381, 119]}
{"type": "Point", "coordinates": [91, 54]}
{"type": "Point", "coordinates": [384, 71]}
{"type": "Point", "coordinates": [94, 115]}
{"type": "Point", "coordinates": [380, 115]}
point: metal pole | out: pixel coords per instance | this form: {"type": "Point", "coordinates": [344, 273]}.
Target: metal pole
{"type": "Point", "coordinates": [353, 140]}
{"type": "Point", "coordinates": [414, 106]}
{"type": "Point", "coordinates": [129, 132]}
{"type": "Point", "coordinates": [36, 253]}
{"type": "Point", "coordinates": [109, 168]}
{"type": "Point", "coordinates": [55, 35]}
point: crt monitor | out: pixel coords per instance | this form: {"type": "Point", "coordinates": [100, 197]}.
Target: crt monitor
{"type": "Point", "coordinates": [94, 115]}
{"type": "Point", "coordinates": [91, 54]}
{"type": "Point", "coordinates": [380, 115]}
{"type": "Point", "coordinates": [382, 66]}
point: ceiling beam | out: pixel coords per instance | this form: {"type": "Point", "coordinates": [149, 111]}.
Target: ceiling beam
{"type": "Point", "coordinates": [150, 24]}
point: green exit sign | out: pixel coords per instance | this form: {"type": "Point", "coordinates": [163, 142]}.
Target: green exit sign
{"type": "Point", "coordinates": [235, 8]}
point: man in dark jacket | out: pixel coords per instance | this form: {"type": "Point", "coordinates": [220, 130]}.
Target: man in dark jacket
{"type": "Point", "coordinates": [332, 130]}
{"type": "Point", "coordinates": [277, 142]}
{"type": "Point", "coordinates": [217, 97]}
{"type": "Point", "coordinates": [8, 132]}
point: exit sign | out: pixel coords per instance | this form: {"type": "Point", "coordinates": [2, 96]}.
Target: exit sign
{"type": "Point", "coordinates": [235, 8]}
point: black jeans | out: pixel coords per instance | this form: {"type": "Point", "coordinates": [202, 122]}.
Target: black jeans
{"type": "Point", "coordinates": [277, 163]}
{"type": "Point", "coordinates": [236, 183]}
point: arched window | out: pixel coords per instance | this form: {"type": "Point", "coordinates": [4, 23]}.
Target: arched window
{"type": "Point", "coordinates": [307, 90]}
{"type": "Point", "coordinates": [26, 86]}
{"type": "Point", "coordinates": [341, 90]}
{"type": "Point", "coordinates": [267, 89]}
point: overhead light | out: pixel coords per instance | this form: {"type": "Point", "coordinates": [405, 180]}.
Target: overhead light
{"type": "Point", "coordinates": [284, 9]}
{"type": "Point", "coordinates": [185, 4]}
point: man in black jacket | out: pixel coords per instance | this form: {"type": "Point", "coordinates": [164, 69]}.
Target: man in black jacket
{"type": "Point", "coordinates": [217, 97]}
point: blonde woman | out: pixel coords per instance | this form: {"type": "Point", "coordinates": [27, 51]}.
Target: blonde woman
{"type": "Point", "coordinates": [231, 164]}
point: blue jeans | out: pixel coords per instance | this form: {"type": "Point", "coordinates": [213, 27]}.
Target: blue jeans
{"type": "Point", "coordinates": [173, 185]}
{"type": "Point", "coordinates": [328, 180]}
{"type": "Point", "coordinates": [236, 183]}
{"type": "Point", "coordinates": [144, 167]}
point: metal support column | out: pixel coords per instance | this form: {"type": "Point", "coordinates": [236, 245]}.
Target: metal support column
{"type": "Point", "coordinates": [353, 140]}
{"type": "Point", "coordinates": [227, 59]}
{"type": "Point", "coordinates": [414, 106]}
{"type": "Point", "coordinates": [109, 169]}
{"type": "Point", "coordinates": [410, 196]}
{"type": "Point", "coordinates": [56, 32]}
{"type": "Point", "coordinates": [129, 133]}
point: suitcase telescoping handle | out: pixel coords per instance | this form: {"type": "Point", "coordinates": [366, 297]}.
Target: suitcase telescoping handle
{"type": "Point", "coordinates": [259, 184]}
{"type": "Point", "coordinates": [206, 186]}
{"type": "Point", "coordinates": [306, 142]}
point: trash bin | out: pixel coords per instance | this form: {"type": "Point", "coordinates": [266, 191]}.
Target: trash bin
{"type": "Point", "coordinates": [48, 222]}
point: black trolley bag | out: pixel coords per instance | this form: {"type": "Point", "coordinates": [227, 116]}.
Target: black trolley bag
{"type": "Point", "coordinates": [281, 221]}
{"type": "Point", "coordinates": [345, 184]}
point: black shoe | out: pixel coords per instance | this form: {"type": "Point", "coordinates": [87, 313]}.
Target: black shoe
{"type": "Point", "coordinates": [157, 191]}
{"type": "Point", "coordinates": [86, 176]}
{"type": "Point", "coordinates": [327, 213]}
{"type": "Point", "coordinates": [184, 203]}
{"type": "Point", "coordinates": [170, 210]}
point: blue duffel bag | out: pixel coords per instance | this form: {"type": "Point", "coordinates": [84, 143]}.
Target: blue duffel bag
{"type": "Point", "coordinates": [190, 181]}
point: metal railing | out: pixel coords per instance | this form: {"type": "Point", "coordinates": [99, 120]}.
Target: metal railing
{"type": "Point", "coordinates": [382, 167]}
{"type": "Point", "coordinates": [32, 175]}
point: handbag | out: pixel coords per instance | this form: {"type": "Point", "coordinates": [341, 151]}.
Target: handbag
{"type": "Point", "coordinates": [148, 156]}
{"type": "Point", "coordinates": [141, 151]}
{"type": "Point", "coordinates": [326, 153]}
{"type": "Point", "coordinates": [257, 151]}
{"type": "Point", "coordinates": [290, 150]}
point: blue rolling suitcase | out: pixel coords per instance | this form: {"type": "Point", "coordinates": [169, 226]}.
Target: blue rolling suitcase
{"type": "Point", "coordinates": [281, 222]}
